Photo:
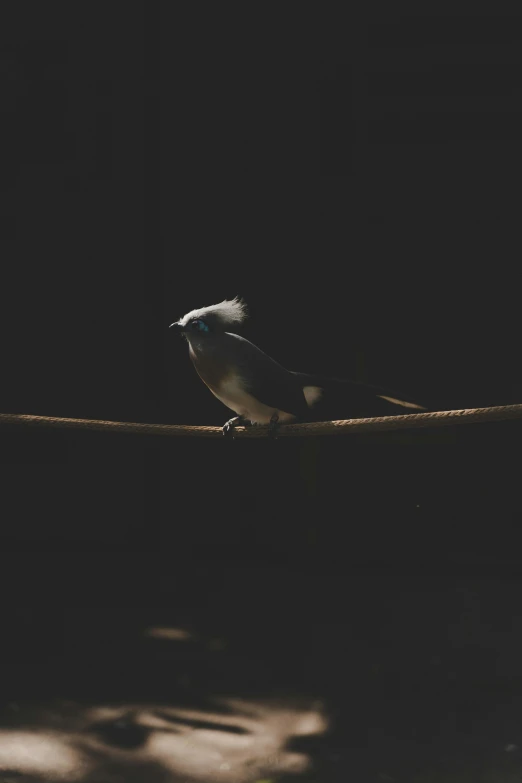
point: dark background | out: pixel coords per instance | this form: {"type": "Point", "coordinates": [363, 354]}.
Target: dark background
{"type": "Point", "coordinates": [356, 180]}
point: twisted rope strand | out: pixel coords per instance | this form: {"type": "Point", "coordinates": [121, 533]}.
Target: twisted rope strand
{"type": "Point", "coordinates": [342, 427]}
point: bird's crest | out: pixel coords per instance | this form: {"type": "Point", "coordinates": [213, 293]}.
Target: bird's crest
{"type": "Point", "coordinates": [227, 313]}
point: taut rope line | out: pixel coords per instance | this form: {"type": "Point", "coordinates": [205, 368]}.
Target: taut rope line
{"type": "Point", "coordinates": [343, 427]}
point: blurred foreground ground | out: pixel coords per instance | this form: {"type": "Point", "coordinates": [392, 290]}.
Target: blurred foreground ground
{"type": "Point", "coordinates": [150, 672]}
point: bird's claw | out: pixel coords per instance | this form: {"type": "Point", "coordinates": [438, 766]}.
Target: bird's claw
{"type": "Point", "coordinates": [230, 425]}
{"type": "Point", "coordinates": [273, 426]}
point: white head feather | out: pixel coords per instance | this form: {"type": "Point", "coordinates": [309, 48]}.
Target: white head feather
{"type": "Point", "coordinates": [227, 313]}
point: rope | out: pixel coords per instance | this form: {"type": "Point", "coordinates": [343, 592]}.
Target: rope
{"type": "Point", "coordinates": [344, 427]}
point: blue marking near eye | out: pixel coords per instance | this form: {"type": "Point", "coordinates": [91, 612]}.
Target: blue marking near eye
{"type": "Point", "coordinates": [200, 325]}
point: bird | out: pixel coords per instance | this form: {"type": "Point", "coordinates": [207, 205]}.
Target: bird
{"type": "Point", "coordinates": [260, 390]}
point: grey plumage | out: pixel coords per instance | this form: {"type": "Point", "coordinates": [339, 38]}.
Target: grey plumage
{"type": "Point", "coordinates": [254, 385]}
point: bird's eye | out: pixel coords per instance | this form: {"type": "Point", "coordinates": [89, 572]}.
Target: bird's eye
{"type": "Point", "coordinates": [200, 325]}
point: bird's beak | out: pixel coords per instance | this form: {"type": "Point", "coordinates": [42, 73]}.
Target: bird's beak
{"type": "Point", "coordinates": [176, 327]}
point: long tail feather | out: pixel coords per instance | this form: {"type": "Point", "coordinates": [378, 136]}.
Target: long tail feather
{"type": "Point", "coordinates": [350, 399]}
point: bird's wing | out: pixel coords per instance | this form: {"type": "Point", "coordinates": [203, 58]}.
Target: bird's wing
{"type": "Point", "coordinates": [353, 399]}
{"type": "Point", "coordinates": [265, 379]}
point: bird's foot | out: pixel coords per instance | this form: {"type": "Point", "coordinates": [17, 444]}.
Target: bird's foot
{"type": "Point", "coordinates": [273, 426]}
{"type": "Point", "coordinates": [236, 421]}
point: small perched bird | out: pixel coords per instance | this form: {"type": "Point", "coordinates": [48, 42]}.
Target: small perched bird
{"type": "Point", "coordinates": [257, 388]}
